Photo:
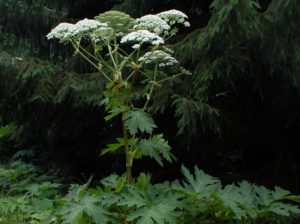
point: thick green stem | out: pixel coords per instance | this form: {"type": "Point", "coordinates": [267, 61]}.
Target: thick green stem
{"type": "Point", "coordinates": [128, 152]}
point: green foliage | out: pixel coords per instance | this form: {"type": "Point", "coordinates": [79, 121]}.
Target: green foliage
{"type": "Point", "coordinates": [79, 207]}
{"type": "Point", "coordinates": [156, 147]}
{"type": "Point", "coordinates": [199, 199]}
{"type": "Point", "coordinates": [7, 130]}
{"type": "Point", "coordinates": [139, 121]}
{"type": "Point", "coordinates": [26, 194]}
{"type": "Point", "coordinates": [151, 206]}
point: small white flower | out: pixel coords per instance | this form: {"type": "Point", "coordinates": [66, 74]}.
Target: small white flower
{"type": "Point", "coordinates": [136, 46]}
{"type": "Point", "coordinates": [186, 24]}
{"type": "Point", "coordinates": [142, 36]}
{"type": "Point", "coordinates": [161, 65]}
{"type": "Point", "coordinates": [181, 20]}
{"type": "Point", "coordinates": [152, 23]}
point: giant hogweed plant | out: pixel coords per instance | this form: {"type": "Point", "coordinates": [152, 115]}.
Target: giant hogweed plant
{"type": "Point", "coordinates": [133, 58]}
{"type": "Point", "coordinates": [134, 61]}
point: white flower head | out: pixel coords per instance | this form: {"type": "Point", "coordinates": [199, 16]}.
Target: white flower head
{"type": "Point", "coordinates": [186, 24]}
{"type": "Point", "coordinates": [142, 36]}
{"type": "Point", "coordinates": [160, 57]}
{"type": "Point", "coordinates": [87, 25]}
{"type": "Point", "coordinates": [174, 16]}
{"type": "Point", "coordinates": [62, 31]}
{"type": "Point", "coordinates": [152, 23]}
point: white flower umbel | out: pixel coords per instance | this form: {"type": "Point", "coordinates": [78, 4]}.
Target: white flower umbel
{"type": "Point", "coordinates": [87, 25]}
{"type": "Point", "coordinates": [174, 16]}
{"type": "Point", "coordinates": [152, 23]}
{"type": "Point", "coordinates": [142, 36]}
{"type": "Point", "coordinates": [160, 57]}
{"type": "Point", "coordinates": [62, 31]}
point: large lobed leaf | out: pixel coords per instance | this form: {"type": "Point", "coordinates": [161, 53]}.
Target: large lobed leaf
{"type": "Point", "coordinates": [151, 206]}
{"type": "Point", "coordinates": [138, 120]}
{"type": "Point", "coordinates": [156, 147]}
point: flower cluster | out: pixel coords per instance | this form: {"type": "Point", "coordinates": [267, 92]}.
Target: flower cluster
{"type": "Point", "coordinates": [152, 23]}
{"type": "Point", "coordinates": [87, 25]}
{"type": "Point", "coordinates": [142, 36]}
{"type": "Point", "coordinates": [160, 57]}
{"type": "Point", "coordinates": [174, 16]}
{"type": "Point", "coordinates": [64, 31]}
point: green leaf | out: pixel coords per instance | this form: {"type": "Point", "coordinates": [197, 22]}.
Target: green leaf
{"type": "Point", "coordinates": [151, 206]}
{"type": "Point", "coordinates": [75, 212]}
{"type": "Point", "coordinates": [279, 193]}
{"type": "Point", "coordinates": [143, 181]}
{"type": "Point", "coordinates": [248, 198]}
{"type": "Point", "coordinates": [232, 199]}
{"type": "Point", "coordinates": [201, 184]}
{"type": "Point", "coordinates": [116, 112]}
{"type": "Point", "coordinates": [284, 209]}
{"type": "Point", "coordinates": [114, 182]}
{"type": "Point", "coordinates": [138, 120]}
{"type": "Point", "coordinates": [7, 130]}
{"type": "Point", "coordinates": [264, 195]}
{"type": "Point", "coordinates": [156, 147]}
{"type": "Point", "coordinates": [114, 146]}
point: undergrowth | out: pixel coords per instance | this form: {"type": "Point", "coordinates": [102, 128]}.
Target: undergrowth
{"type": "Point", "coordinates": [27, 195]}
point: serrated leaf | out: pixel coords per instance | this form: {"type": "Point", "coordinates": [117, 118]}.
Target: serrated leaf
{"type": "Point", "coordinates": [75, 212]}
{"type": "Point", "coordinates": [284, 209]}
{"type": "Point", "coordinates": [248, 199]}
{"type": "Point", "coordinates": [114, 182]}
{"type": "Point", "coordinates": [116, 112]}
{"type": "Point", "coordinates": [264, 195]}
{"type": "Point", "coordinates": [199, 183]}
{"type": "Point", "coordinates": [150, 206]}
{"type": "Point", "coordinates": [279, 193]}
{"type": "Point", "coordinates": [138, 120]}
{"type": "Point", "coordinates": [115, 146]}
{"type": "Point", "coordinates": [143, 181]}
{"type": "Point", "coordinates": [232, 199]}
{"type": "Point", "coordinates": [156, 147]}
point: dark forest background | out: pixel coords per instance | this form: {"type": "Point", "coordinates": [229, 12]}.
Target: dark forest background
{"type": "Point", "coordinates": [237, 117]}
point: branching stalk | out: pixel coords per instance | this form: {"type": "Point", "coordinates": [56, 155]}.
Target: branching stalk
{"type": "Point", "coordinates": [151, 89]}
